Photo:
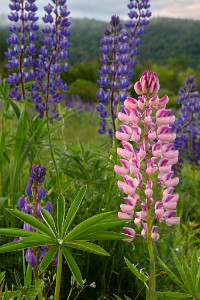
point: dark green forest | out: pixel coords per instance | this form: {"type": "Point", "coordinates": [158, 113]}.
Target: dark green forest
{"type": "Point", "coordinates": [171, 47]}
{"type": "Point", "coordinates": [166, 38]}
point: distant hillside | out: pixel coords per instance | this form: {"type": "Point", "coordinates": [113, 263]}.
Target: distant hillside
{"type": "Point", "coordinates": [165, 38]}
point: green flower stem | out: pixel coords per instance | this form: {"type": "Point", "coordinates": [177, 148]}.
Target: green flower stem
{"type": "Point", "coordinates": [63, 125]}
{"type": "Point", "coordinates": [24, 266]}
{"type": "Point", "coordinates": [58, 276]}
{"type": "Point", "coordinates": [2, 116]}
{"type": "Point", "coordinates": [2, 130]}
{"type": "Point", "coordinates": [152, 280]}
{"type": "Point", "coordinates": [53, 159]}
{"type": "Point", "coordinates": [35, 269]}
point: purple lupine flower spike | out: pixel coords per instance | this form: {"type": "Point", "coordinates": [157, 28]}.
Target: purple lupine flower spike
{"type": "Point", "coordinates": [22, 46]}
{"type": "Point", "coordinates": [119, 48]}
{"type": "Point", "coordinates": [187, 125]}
{"type": "Point", "coordinates": [31, 205]}
{"type": "Point", "coordinates": [40, 66]}
{"type": "Point", "coordinates": [155, 153]}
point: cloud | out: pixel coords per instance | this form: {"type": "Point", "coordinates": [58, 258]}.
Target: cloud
{"type": "Point", "coordinates": [179, 9]}
{"type": "Point", "coordinates": [104, 9]}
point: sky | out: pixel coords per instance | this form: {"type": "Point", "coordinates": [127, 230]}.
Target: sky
{"type": "Point", "coordinates": [103, 9]}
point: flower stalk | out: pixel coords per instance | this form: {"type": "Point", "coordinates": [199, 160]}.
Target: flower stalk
{"type": "Point", "coordinates": [58, 276]}
{"type": "Point", "coordinates": [154, 155]}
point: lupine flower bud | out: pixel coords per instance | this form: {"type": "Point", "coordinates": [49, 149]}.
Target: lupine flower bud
{"type": "Point", "coordinates": [28, 190]}
{"type": "Point", "coordinates": [31, 257]}
{"type": "Point", "coordinates": [155, 155]}
{"type": "Point", "coordinates": [148, 84]}
{"type": "Point", "coordinates": [21, 202]}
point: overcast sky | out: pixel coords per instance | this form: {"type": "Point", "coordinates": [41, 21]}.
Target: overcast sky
{"type": "Point", "coordinates": [103, 9]}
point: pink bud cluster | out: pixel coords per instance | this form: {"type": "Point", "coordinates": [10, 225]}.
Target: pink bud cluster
{"type": "Point", "coordinates": [154, 154]}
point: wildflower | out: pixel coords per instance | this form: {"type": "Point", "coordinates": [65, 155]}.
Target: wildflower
{"type": "Point", "coordinates": [31, 205]}
{"type": "Point", "coordinates": [187, 125]}
{"type": "Point", "coordinates": [119, 49]}
{"type": "Point", "coordinates": [155, 155]}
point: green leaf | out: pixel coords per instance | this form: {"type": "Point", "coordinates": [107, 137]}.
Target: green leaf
{"type": "Point", "coordinates": [174, 295]}
{"type": "Point", "coordinates": [12, 246]}
{"type": "Point", "coordinates": [73, 266]}
{"type": "Point", "coordinates": [18, 232]}
{"type": "Point", "coordinates": [140, 275]}
{"type": "Point", "coordinates": [3, 201]}
{"type": "Point", "coordinates": [111, 221]}
{"type": "Point", "coordinates": [73, 210]}
{"type": "Point", "coordinates": [47, 217]}
{"type": "Point", "coordinates": [172, 275]}
{"type": "Point", "coordinates": [32, 221]}
{"type": "Point", "coordinates": [198, 281]}
{"type": "Point", "coordinates": [88, 247]}
{"type": "Point", "coordinates": [117, 297]}
{"type": "Point", "coordinates": [194, 267]}
{"type": "Point", "coordinates": [181, 272]}
{"type": "Point", "coordinates": [6, 296]}
{"type": "Point", "coordinates": [48, 258]}
{"type": "Point", "coordinates": [2, 276]}
{"type": "Point", "coordinates": [188, 275]}
{"type": "Point", "coordinates": [103, 235]}
{"type": "Point", "coordinates": [28, 278]}
{"type": "Point", "coordinates": [15, 108]}
{"type": "Point", "coordinates": [2, 143]}
{"type": "Point", "coordinates": [81, 228]}
{"type": "Point", "coordinates": [39, 241]}
{"type": "Point", "coordinates": [60, 214]}
{"type": "Point", "coordinates": [127, 298]}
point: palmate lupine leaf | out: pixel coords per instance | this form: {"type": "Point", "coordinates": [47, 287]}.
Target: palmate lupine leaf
{"type": "Point", "coordinates": [190, 278]}
{"type": "Point", "coordinates": [13, 246]}
{"type": "Point", "coordinates": [15, 108]}
{"type": "Point", "coordinates": [73, 266]}
{"type": "Point", "coordinates": [30, 220]}
{"type": "Point", "coordinates": [188, 275]}
{"type": "Point", "coordinates": [60, 214]}
{"type": "Point", "coordinates": [48, 258]}
{"type": "Point", "coordinates": [172, 275]}
{"type": "Point", "coordinates": [73, 210]}
{"type": "Point", "coordinates": [173, 295]}
{"type": "Point", "coordinates": [127, 298]}
{"type": "Point", "coordinates": [139, 274]}
{"type": "Point", "coordinates": [47, 217]}
{"type": "Point", "coordinates": [182, 273]}
{"type": "Point", "coordinates": [47, 234]}
{"type": "Point", "coordinates": [18, 232]}
{"type": "Point", "coordinates": [100, 226]}
{"type": "Point", "coordinates": [42, 241]}
{"type": "Point", "coordinates": [88, 247]}
{"type": "Point", "coordinates": [194, 267]}
{"type": "Point", "coordinates": [83, 227]}
{"type": "Point", "coordinates": [102, 235]}
{"type": "Point", "coordinates": [117, 297]}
